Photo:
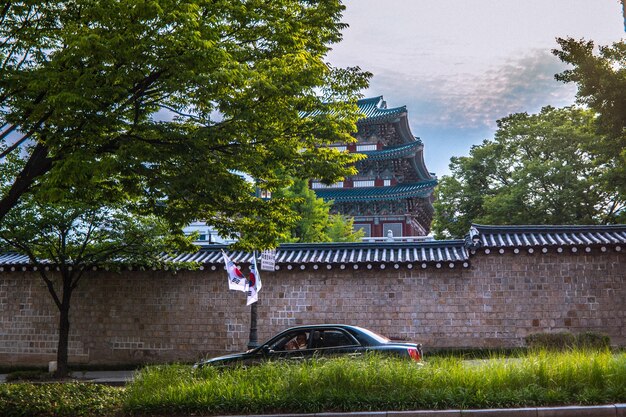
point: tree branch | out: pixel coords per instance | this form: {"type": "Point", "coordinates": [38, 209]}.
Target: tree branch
{"type": "Point", "coordinates": [38, 164]}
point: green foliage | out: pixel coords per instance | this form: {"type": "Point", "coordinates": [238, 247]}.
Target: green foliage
{"type": "Point", "coordinates": [59, 399]}
{"type": "Point", "coordinates": [565, 340]}
{"type": "Point", "coordinates": [81, 236]}
{"type": "Point", "coordinates": [600, 74]}
{"type": "Point", "coordinates": [377, 383]}
{"type": "Point", "coordinates": [539, 169]}
{"type": "Point", "coordinates": [369, 383]}
{"type": "Point", "coordinates": [167, 103]}
{"type": "Point", "coordinates": [551, 341]}
{"type": "Point", "coordinates": [314, 222]}
{"type": "Point", "coordinates": [78, 233]}
{"type": "Point", "coordinates": [341, 229]}
{"type": "Point", "coordinates": [592, 340]}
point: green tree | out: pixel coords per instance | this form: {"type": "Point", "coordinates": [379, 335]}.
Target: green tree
{"type": "Point", "coordinates": [64, 242]}
{"type": "Point", "coordinates": [601, 78]}
{"type": "Point", "coordinates": [341, 229]}
{"type": "Point", "coordinates": [314, 223]}
{"type": "Point", "coordinates": [537, 170]}
{"type": "Point", "coordinates": [84, 86]}
{"type": "Point", "coordinates": [66, 238]}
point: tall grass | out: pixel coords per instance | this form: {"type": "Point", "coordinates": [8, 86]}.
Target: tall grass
{"type": "Point", "coordinates": [380, 383]}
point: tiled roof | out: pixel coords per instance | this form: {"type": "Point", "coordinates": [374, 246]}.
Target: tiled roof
{"type": "Point", "coordinates": [346, 253]}
{"type": "Point", "coordinates": [368, 255]}
{"type": "Point", "coordinates": [375, 110]}
{"type": "Point", "coordinates": [11, 258]}
{"type": "Point", "coordinates": [405, 190]}
{"type": "Point", "coordinates": [546, 236]}
{"type": "Point", "coordinates": [393, 151]}
{"type": "Point", "coordinates": [440, 254]}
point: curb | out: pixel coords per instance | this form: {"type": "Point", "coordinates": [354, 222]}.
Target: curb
{"type": "Point", "coordinates": [614, 410]}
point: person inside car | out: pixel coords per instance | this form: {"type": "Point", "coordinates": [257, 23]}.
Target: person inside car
{"type": "Point", "coordinates": [298, 342]}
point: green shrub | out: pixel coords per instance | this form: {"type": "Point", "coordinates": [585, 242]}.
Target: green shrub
{"type": "Point", "coordinates": [565, 340]}
{"type": "Point", "coordinates": [474, 353]}
{"type": "Point", "coordinates": [591, 340]}
{"type": "Point", "coordinates": [59, 400]}
{"type": "Point", "coordinates": [551, 341]}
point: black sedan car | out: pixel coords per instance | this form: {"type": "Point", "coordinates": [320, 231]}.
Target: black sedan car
{"type": "Point", "coordinates": [303, 342]}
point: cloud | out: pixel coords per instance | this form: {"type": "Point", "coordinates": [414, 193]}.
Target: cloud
{"type": "Point", "coordinates": [451, 113]}
{"type": "Point", "coordinates": [476, 101]}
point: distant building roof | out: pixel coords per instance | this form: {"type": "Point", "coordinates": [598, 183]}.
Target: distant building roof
{"type": "Point", "coordinates": [376, 111]}
{"type": "Point", "coordinates": [405, 190]}
{"type": "Point", "coordinates": [391, 152]}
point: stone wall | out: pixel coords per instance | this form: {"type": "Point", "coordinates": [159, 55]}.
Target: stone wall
{"type": "Point", "coordinates": [160, 316]}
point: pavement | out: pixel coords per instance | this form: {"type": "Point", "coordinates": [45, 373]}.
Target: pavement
{"type": "Point", "coordinates": [117, 378]}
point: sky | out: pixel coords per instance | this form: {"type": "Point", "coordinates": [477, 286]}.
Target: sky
{"type": "Point", "coordinates": [460, 65]}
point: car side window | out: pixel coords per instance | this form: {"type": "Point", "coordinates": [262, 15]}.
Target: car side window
{"type": "Point", "coordinates": [292, 341]}
{"type": "Point", "coordinates": [335, 338]}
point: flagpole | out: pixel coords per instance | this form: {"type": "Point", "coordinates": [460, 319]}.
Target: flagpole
{"type": "Point", "coordinates": [253, 338]}
{"type": "Point", "coordinates": [253, 342]}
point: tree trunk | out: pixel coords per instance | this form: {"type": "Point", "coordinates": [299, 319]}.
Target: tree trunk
{"type": "Point", "coordinates": [64, 327]}
{"type": "Point", "coordinates": [62, 348]}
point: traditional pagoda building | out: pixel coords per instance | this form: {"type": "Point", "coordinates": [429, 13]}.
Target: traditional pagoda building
{"type": "Point", "coordinates": [392, 193]}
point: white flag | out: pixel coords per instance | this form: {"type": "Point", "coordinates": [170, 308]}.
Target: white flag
{"type": "Point", "coordinates": [253, 284]}
{"type": "Point", "coordinates": [236, 280]}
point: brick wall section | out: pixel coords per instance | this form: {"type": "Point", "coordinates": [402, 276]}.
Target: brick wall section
{"type": "Point", "coordinates": [139, 317]}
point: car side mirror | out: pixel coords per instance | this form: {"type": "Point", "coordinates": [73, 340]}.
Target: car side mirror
{"type": "Point", "coordinates": [265, 349]}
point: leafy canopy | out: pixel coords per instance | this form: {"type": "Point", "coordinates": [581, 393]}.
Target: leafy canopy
{"type": "Point", "coordinates": [65, 239]}
{"type": "Point", "coordinates": [539, 169]}
{"type": "Point", "coordinates": [314, 223]}
{"type": "Point", "coordinates": [167, 103]}
{"type": "Point", "coordinates": [600, 74]}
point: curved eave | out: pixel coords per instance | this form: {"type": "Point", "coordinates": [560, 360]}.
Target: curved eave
{"type": "Point", "coordinates": [420, 189]}
{"type": "Point", "coordinates": [374, 114]}
{"type": "Point", "coordinates": [384, 116]}
{"type": "Point", "coordinates": [400, 151]}
{"type": "Point", "coordinates": [375, 110]}
{"type": "Point", "coordinates": [420, 167]}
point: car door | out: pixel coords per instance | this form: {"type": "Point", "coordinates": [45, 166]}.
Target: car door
{"type": "Point", "coordinates": [334, 341]}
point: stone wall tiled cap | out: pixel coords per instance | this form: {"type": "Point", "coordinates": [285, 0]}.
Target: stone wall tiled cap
{"type": "Point", "coordinates": [443, 251]}
{"type": "Point", "coordinates": [540, 235]}
{"type": "Point", "coordinates": [344, 253]}
{"type": "Point", "coordinates": [447, 251]}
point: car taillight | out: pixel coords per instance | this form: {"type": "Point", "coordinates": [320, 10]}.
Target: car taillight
{"type": "Point", "coordinates": [414, 354]}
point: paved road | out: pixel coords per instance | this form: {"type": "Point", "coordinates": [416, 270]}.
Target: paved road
{"type": "Point", "coordinates": [101, 377]}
